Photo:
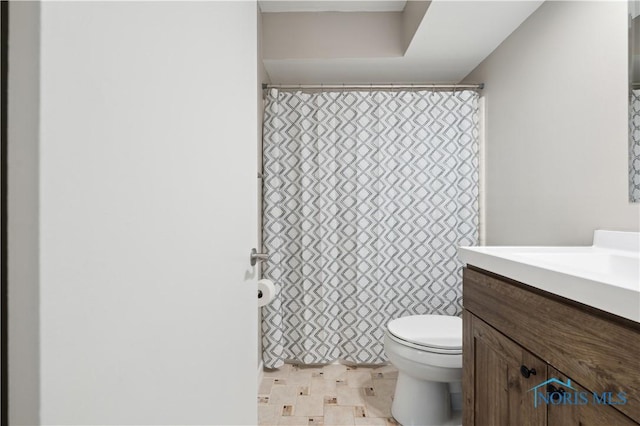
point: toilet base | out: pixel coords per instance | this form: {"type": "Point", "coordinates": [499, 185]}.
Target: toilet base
{"type": "Point", "coordinates": [421, 402]}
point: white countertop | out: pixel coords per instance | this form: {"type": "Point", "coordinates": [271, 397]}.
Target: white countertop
{"type": "Point", "coordinates": [605, 275]}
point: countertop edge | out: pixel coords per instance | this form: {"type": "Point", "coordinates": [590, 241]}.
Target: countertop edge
{"type": "Point", "coordinates": [620, 301]}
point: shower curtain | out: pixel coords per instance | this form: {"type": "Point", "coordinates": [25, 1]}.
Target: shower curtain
{"type": "Point", "coordinates": [634, 147]}
{"type": "Point", "coordinates": [367, 195]}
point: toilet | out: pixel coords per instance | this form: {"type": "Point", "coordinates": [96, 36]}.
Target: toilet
{"type": "Point", "coordinates": [427, 351]}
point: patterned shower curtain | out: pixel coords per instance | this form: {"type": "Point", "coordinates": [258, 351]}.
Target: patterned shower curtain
{"type": "Point", "coordinates": [367, 195]}
{"type": "Point", "coordinates": [634, 146]}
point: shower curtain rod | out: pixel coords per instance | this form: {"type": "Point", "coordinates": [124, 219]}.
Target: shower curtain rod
{"type": "Point", "coordinates": [375, 86]}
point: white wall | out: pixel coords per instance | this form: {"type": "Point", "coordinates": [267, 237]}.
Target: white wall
{"type": "Point", "coordinates": [23, 269]}
{"type": "Point", "coordinates": [556, 127]}
{"type": "Point", "coordinates": [412, 16]}
{"type": "Point", "coordinates": [303, 35]}
{"type": "Point", "coordinates": [451, 39]}
{"type": "Point", "coordinates": [148, 212]}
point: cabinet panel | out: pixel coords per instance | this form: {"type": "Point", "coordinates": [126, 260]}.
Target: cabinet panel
{"type": "Point", "coordinates": [498, 393]}
{"type": "Point", "coordinates": [600, 352]}
{"type": "Point", "coordinates": [586, 413]}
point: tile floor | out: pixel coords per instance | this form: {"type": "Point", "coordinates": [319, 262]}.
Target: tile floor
{"type": "Point", "coordinates": [330, 395]}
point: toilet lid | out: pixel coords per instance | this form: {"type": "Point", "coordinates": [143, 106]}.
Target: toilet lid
{"type": "Point", "coordinates": [436, 331]}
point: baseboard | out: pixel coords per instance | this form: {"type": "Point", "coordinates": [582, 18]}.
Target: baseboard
{"type": "Point", "coordinates": [260, 372]}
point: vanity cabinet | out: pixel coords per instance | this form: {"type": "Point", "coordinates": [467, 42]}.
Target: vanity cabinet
{"type": "Point", "coordinates": [504, 372]}
{"type": "Point", "coordinates": [585, 414]}
{"type": "Point", "coordinates": [519, 341]}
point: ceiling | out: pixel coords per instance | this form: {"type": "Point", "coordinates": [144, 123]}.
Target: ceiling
{"type": "Point", "coordinates": [450, 41]}
{"type": "Point", "coordinates": [271, 6]}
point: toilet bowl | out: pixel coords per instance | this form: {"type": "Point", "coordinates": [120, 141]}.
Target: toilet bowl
{"type": "Point", "coordinates": [427, 351]}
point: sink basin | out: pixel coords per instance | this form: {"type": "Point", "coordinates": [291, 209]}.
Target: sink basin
{"type": "Point", "coordinates": [613, 268]}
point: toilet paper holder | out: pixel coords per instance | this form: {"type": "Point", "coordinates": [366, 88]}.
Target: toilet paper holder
{"type": "Point", "coordinates": [256, 257]}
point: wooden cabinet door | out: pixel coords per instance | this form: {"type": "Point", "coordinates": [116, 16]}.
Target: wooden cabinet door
{"type": "Point", "coordinates": [582, 412]}
{"type": "Point", "coordinates": [496, 392]}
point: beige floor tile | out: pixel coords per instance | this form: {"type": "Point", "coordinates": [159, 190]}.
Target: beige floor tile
{"type": "Point", "coordinates": [299, 378]}
{"type": "Point", "coordinates": [359, 378]}
{"type": "Point", "coordinates": [278, 372]}
{"type": "Point", "coordinates": [322, 386]}
{"type": "Point", "coordinates": [391, 375]}
{"type": "Point", "coordinates": [283, 394]}
{"type": "Point", "coordinates": [263, 399]}
{"type": "Point", "coordinates": [331, 395]}
{"type": "Point", "coordinates": [384, 387]}
{"type": "Point", "coordinates": [308, 371]}
{"type": "Point", "coordinates": [267, 415]}
{"type": "Point", "coordinates": [330, 400]}
{"type": "Point", "coordinates": [370, 421]}
{"type": "Point", "coordinates": [387, 368]}
{"type": "Point", "coordinates": [293, 421]}
{"type": "Point", "coordinates": [316, 421]}
{"type": "Point", "coordinates": [360, 411]}
{"type": "Point", "coordinates": [338, 416]}
{"type": "Point", "coordinates": [342, 380]}
{"type": "Point", "coordinates": [350, 396]}
{"type": "Point", "coordinates": [384, 372]}
{"type": "Point", "coordinates": [287, 410]}
{"type": "Point", "coordinates": [265, 386]}
{"type": "Point", "coordinates": [378, 406]}
{"type": "Point", "coordinates": [333, 371]}
{"type": "Point", "coordinates": [310, 405]}
{"type": "Point", "coordinates": [299, 381]}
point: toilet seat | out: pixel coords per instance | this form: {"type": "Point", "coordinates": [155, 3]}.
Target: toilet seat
{"type": "Point", "coordinates": [441, 334]}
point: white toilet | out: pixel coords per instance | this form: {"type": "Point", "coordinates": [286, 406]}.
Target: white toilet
{"type": "Point", "coordinates": [427, 351]}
